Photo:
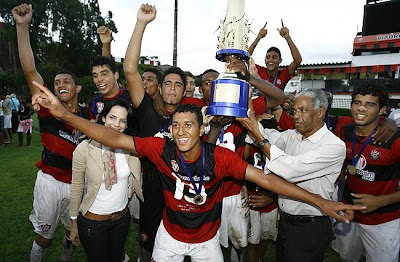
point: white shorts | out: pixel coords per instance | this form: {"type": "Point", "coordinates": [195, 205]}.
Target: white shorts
{"type": "Point", "coordinates": [7, 121]}
{"type": "Point", "coordinates": [263, 226]}
{"type": "Point", "coordinates": [235, 220]}
{"type": "Point", "coordinates": [380, 242]}
{"type": "Point", "coordinates": [134, 206]}
{"type": "Point", "coordinates": [50, 204]}
{"type": "Point", "coordinates": [168, 249]}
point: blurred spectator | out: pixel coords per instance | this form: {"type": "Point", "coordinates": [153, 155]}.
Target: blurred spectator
{"type": "Point", "coordinates": [14, 116]}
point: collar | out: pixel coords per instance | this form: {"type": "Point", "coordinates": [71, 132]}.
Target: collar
{"type": "Point", "coordinates": [316, 137]}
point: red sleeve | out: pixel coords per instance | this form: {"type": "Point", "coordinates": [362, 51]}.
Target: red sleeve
{"type": "Point", "coordinates": [262, 72]}
{"type": "Point", "coordinates": [342, 121]}
{"type": "Point", "coordinates": [227, 163]}
{"type": "Point", "coordinates": [193, 100]}
{"type": "Point", "coordinates": [286, 122]}
{"type": "Point", "coordinates": [150, 147]}
{"type": "Point", "coordinates": [43, 112]}
{"type": "Point", "coordinates": [259, 105]}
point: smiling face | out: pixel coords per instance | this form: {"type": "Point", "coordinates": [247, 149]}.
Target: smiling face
{"type": "Point", "coordinates": [116, 118]}
{"type": "Point", "coordinates": [288, 104]}
{"type": "Point", "coordinates": [65, 87]}
{"type": "Point", "coordinates": [206, 82]}
{"type": "Point", "coordinates": [105, 80]}
{"type": "Point", "coordinates": [172, 89]}
{"type": "Point", "coordinates": [306, 119]}
{"type": "Point", "coordinates": [272, 61]}
{"type": "Point", "coordinates": [186, 133]}
{"type": "Point", "coordinates": [365, 111]}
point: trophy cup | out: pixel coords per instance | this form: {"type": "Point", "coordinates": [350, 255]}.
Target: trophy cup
{"type": "Point", "coordinates": [229, 94]}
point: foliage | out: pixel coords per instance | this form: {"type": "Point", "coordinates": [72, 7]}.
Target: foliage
{"type": "Point", "coordinates": [63, 36]}
{"type": "Point", "coordinates": [340, 112]}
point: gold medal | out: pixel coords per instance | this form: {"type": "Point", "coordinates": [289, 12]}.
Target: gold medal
{"type": "Point", "coordinates": [352, 169]}
{"type": "Point", "coordinates": [198, 199]}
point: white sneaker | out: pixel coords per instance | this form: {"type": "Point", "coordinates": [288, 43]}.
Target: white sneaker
{"type": "Point", "coordinates": [126, 258]}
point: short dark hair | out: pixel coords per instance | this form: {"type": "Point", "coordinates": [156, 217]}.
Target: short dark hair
{"type": "Point", "coordinates": [155, 71]}
{"type": "Point", "coordinates": [104, 60]}
{"type": "Point", "coordinates": [275, 49]}
{"type": "Point", "coordinates": [208, 71]}
{"type": "Point", "coordinates": [117, 102]}
{"type": "Point", "coordinates": [74, 77]}
{"type": "Point", "coordinates": [370, 87]}
{"type": "Point", "coordinates": [192, 109]}
{"type": "Point", "coordinates": [189, 74]}
{"type": "Point", "coordinates": [175, 70]}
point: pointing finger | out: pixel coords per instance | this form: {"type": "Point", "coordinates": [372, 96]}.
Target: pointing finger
{"type": "Point", "coordinates": [265, 24]}
{"type": "Point", "coordinates": [282, 23]}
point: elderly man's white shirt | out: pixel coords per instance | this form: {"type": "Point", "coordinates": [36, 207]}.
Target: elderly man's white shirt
{"type": "Point", "coordinates": [313, 164]}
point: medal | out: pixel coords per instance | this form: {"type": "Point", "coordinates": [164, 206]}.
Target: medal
{"type": "Point", "coordinates": [354, 158]}
{"type": "Point", "coordinates": [198, 199]}
{"type": "Point", "coordinates": [352, 170]}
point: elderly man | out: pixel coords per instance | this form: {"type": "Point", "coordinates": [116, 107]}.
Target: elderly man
{"type": "Point", "coordinates": [311, 157]}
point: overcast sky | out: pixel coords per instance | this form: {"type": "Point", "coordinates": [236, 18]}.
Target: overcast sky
{"type": "Point", "coordinates": [323, 31]}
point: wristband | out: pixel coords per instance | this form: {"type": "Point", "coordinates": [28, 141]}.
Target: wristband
{"type": "Point", "coordinates": [262, 143]}
{"type": "Point", "coordinates": [243, 77]}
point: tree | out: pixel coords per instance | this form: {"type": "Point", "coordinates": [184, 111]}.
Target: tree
{"type": "Point", "coordinates": [63, 33]}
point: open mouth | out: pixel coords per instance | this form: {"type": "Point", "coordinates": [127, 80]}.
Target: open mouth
{"type": "Point", "coordinates": [63, 91]}
{"type": "Point", "coordinates": [183, 141]}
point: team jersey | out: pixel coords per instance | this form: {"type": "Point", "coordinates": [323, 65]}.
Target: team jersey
{"type": "Point", "coordinates": [99, 102]}
{"type": "Point", "coordinates": [59, 141]}
{"type": "Point", "coordinates": [184, 220]}
{"type": "Point", "coordinates": [193, 100]}
{"type": "Point", "coordinates": [234, 139]}
{"type": "Point", "coordinates": [378, 173]}
{"type": "Point", "coordinates": [257, 159]}
{"type": "Point", "coordinates": [282, 78]}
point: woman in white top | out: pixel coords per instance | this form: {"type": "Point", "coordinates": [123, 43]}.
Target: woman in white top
{"type": "Point", "coordinates": [103, 180]}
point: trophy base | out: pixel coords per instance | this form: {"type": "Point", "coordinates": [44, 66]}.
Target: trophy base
{"type": "Point", "coordinates": [241, 54]}
{"type": "Point", "coordinates": [229, 97]}
{"type": "Point", "coordinates": [226, 111]}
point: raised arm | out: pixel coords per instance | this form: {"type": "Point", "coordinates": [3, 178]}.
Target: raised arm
{"type": "Point", "coordinates": [261, 35]}
{"type": "Point", "coordinates": [104, 135]}
{"type": "Point", "coordinates": [275, 96]}
{"type": "Point", "coordinates": [105, 37]}
{"type": "Point", "coordinates": [145, 15]}
{"type": "Point", "coordinates": [23, 15]}
{"type": "Point", "coordinates": [284, 32]}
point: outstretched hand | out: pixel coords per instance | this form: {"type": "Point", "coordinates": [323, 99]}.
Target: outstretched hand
{"type": "Point", "coordinates": [331, 208]}
{"type": "Point", "coordinates": [283, 31]}
{"type": "Point", "coordinates": [146, 13]}
{"type": "Point", "coordinates": [105, 34]}
{"type": "Point", "coordinates": [46, 99]}
{"type": "Point", "coordinates": [22, 14]}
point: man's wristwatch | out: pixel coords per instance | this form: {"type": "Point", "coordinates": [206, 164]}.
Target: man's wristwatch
{"type": "Point", "coordinates": [262, 143]}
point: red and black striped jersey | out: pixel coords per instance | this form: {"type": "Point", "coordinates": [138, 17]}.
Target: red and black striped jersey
{"type": "Point", "coordinates": [378, 173]}
{"type": "Point", "coordinates": [282, 78]}
{"type": "Point", "coordinates": [59, 141]}
{"type": "Point", "coordinates": [183, 219]}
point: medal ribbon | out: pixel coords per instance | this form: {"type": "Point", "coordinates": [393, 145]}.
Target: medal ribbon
{"type": "Point", "coordinates": [354, 158]}
{"type": "Point", "coordinates": [221, 135]}
{"type": "Point", "coordinates": [162, 129]}
{"type": "Point", "coordinates": [203, 156]}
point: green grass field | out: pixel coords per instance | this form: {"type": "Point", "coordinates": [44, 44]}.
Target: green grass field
{"type": "Point", "coordinates": [18, 174]}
